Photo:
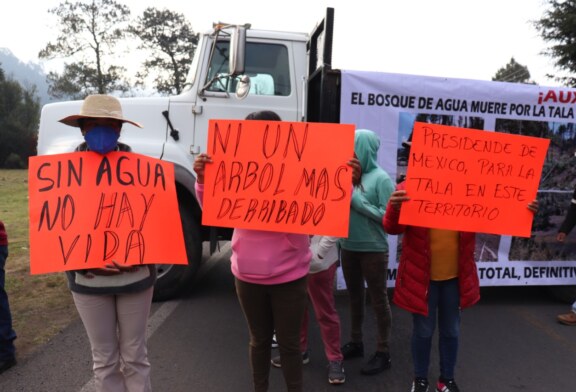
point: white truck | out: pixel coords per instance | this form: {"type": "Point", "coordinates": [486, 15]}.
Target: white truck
{"type": "Point", "coordinates": [237, 70]}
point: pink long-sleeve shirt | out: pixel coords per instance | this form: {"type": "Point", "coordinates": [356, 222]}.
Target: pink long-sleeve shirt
{"type": "Point", "coordinates": [266, 257]}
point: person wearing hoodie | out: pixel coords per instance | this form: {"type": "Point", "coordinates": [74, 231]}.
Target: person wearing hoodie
{"type": "Point", "coordinates": [364, 254]}
{"type": "Point", "coordinates": [270, 271]}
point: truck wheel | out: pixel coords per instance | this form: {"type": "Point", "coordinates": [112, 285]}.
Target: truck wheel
{"type": "Point", "coordinates": [173, 278]}
{"type": "Point", "coordinates": [565, 294]}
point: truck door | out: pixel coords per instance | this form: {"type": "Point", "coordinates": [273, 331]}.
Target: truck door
{"type": "Point", "coordinates": [273, 86]}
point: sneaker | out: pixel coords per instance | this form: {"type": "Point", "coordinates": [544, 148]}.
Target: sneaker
{"type": "Point", "coordinates": [419, 385]}
{"type": "Point", "coordinates": [567, 319]}
{"type": "Point", "coordinates": [353, 350]}
{"type": "Point", "coordinates": [277, 363]}
{"type": "Point", "coordinates": [379, 362]}
{"type": "Point", "coordinates": [336, 372]}
{"type": "Point", "coordinates": [274, 342]}
{"type": "Point", "coordinates": [447, 386]}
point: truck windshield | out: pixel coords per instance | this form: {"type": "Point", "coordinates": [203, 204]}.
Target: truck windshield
{"type": "Point", "coordinates": [266, 65]}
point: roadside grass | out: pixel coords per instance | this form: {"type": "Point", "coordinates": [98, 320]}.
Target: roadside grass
{"type": "Point", "coordinates": [41, 305]}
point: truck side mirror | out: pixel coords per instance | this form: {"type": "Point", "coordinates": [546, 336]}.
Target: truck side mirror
{"type": "Point", "coordinates": [238, 50]}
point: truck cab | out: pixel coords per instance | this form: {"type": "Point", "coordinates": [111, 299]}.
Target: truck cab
{"type": "Point", "coordinates": [235, 71]}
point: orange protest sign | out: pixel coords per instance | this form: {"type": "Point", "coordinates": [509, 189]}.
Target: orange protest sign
{"type": "Point", "coordinates": [279, 176]}
{"type": "Point", "coordinates": [469, 180]}
{"type": "Point", "coordinates": [87, 210]}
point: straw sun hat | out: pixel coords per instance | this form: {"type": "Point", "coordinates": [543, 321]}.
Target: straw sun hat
{"type": "Point", "coordinates": [98, 106]}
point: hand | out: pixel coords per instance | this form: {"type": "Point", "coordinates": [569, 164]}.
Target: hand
{"type": "Point", "coordinates": [199, 164]}
{"type": "Point", "coordinates": [561, 237]}
{"type": "Point", "coordinates": [110, 269]}
{"type": "Point", "coordinates": [397, 198]}
{"type": "Point", "coordinates": [533, 206]}
{"type": "Point", "coordinates": [354, 163]}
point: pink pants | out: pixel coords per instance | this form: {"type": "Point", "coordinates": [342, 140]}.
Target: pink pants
{"type": "Point", "coordinates": [116, 327]}
{"type": "Point", "coordinates": [321, 294]}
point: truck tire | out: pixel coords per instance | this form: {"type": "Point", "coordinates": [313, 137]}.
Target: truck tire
{"type": "Point", "coordinates": [172, 278]}
{"type": "Point", "coordinates": [565, 294]}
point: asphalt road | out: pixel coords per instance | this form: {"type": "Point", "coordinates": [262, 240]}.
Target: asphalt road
{"type": "Point", "coordinates": [510, 342]}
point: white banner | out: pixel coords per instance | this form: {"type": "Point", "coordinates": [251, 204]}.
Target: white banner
{"type": "Point", "coordinates": [390, 103]}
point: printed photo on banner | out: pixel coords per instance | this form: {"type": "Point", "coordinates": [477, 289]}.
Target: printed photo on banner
{"type": "Point", "coordinates": [88, 209]}
{"type": "Point", "coordinates": [279, 176]}
{"type": "Point", "coordinates": [469, 180]}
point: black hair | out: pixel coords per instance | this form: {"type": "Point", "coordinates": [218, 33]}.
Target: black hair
{"type": "Point", "coordinates": [264, 115]}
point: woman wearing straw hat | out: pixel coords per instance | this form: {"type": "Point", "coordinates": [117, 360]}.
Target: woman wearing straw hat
{"type": "Point", "coordinates": [113, 301]}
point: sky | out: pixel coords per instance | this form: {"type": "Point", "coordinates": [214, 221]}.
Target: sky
{"type": "Point", "coordinates": [467, 39]}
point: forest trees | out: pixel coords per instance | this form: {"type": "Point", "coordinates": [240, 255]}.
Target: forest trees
{"type": "Point", "coordinates": [19, 116]}
{"type": "Point", "coordinates": [172, 41]}
{"type": "Point", "coordinates": [513, 72]}
{"type": "Point", "coordinates": [92, 38]}
{"type": "Point", "coordinates": [89, 33]}
{"type": "Point", "coordinates": [558, 28]}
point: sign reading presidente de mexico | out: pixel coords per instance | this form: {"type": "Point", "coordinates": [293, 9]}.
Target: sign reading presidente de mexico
{"type": "Point", "coordinates": [88, 209]}
{"type": "Point", "coordinates": [279, 176]}
{"type": "Point", "coordinates": [470, 180]}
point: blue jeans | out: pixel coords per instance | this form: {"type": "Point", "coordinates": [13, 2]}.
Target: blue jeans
{"type": "Point", "coordinates": [7, 334]}
{"type": "Point", "coordinates": [444, 301]}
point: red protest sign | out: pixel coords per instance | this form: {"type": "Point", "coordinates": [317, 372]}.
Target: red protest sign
{"type": "Point", "coordinates": [87, 210]}
{"type": "Point", "coordinates": [279, 176]}
{"type": "Point", "coordinates": [469, 180]}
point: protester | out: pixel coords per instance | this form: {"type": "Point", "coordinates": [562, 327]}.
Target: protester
{"type": "Point", "coordinates": [113, 301]}
{"type": "Point", "coordinates": [565, 229]}
{"type": "Point", "coordinates": [436, 278]}
{"type": "Point", "coordinates": [365, 254]}
{"type": "Point", "coordinates": [270, 270]}
{"type": "Point", "coordinates": [7, 334]}
{"type": "Point", "coordinates": [321, 293]}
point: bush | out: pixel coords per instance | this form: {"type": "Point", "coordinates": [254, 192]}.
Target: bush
{"type": "Point", "coordinates": [14, 161]}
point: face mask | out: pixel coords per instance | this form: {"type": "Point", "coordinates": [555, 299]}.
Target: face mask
{"type": "Point", "coordinates": [102, 139]}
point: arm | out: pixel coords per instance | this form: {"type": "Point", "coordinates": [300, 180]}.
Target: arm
{"type": "Point", "coordinates": [199, 168]}
{"type": "Point", "coordinates": [391, 218]}
{"type": "Point", "coordinates": [366, 208]}
{"type": "Point", "coordinates": [326, 243]}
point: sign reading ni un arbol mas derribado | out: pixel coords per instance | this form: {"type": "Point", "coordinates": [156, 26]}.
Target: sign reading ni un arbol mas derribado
{"type": "Point", "coordinates": [279, 176]}
{"type": "Point", "coordinates": [88, 209]}
{"type": "Point", "coordinates": [470, 180]}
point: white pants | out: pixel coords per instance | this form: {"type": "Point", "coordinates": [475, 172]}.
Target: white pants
{"type": "Point", "coordinates": [116, 327]}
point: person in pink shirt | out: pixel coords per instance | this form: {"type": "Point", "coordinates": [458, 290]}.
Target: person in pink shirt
{"type": "Point", "coordinates": [270, 270]}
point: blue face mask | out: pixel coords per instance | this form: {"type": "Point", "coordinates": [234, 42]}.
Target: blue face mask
{"type": "Point", "coordinates": [102, 139]}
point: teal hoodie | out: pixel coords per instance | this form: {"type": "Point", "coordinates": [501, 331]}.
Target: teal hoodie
{"type": "Point", "coordinates": [369, 199]}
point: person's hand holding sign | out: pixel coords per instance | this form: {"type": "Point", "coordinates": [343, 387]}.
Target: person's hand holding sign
{"type": "Point", "coordinates": [397, 198]}
{"type": "Point", "coordinates": [199, 164]}
{"type": "Point", "coordinates": [110, 269]}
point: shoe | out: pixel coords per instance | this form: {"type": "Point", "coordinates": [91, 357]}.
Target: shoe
{"type": "Point", "coordinates": [7, 364]}
{"type": "Point", "coordinates": [353, 350]}
{"type": "Point", "coordinates": [379, 362]}
{"type": "Point", "coordinates": [447, 386]}
{"type": "Point", "coordinates": [567, 319]}
{"type": "Point", "coordinates": [274, 342]}
{"type": "Point", "coordinates": [277, 363]}
{"type": "Point", "coordinates": [419, 385]}
{"type": "Point", "coordinates": [336, 372]}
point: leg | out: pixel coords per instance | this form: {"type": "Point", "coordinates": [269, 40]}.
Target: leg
{"type": "Point", "coordinates": [448, 326]}
{"type": "Point", "coordinates": [375, 270]}
{"type": "Point", "coordinates": [98, 314]}
{"type": "Point", "coordinates": [352, 271]}
{"type": "Point", "coordinates": [255, 303]}
{"type": "Point", "coordinates": [423, 330]}
{"type": "Point", "coordinates": [321, 292]}
{"type": "Point", "coordinates": [7, 334]}
{"type": "Point", "coordinates": [133, 311]}
{"type": "Point", "coordinates": [289, 302]}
